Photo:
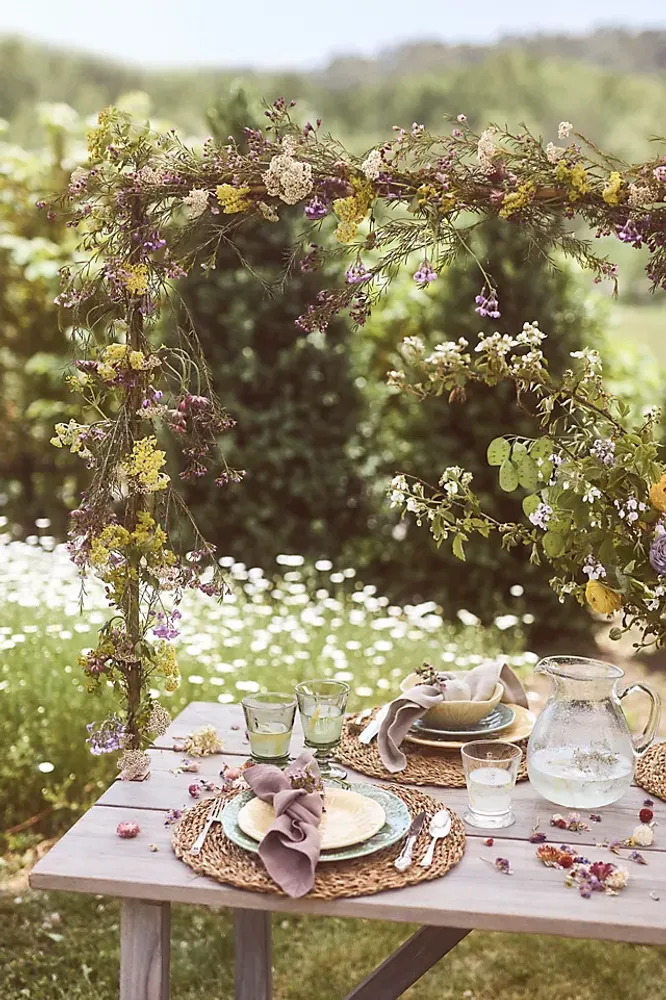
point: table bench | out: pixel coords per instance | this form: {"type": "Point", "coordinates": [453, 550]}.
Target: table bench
{"type": "Point", "coordinates": [90, 858]}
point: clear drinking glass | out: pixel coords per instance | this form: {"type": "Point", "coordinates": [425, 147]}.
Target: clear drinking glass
{"type": "Point", "coordinates": [322, 705]}
{"type": "Point", "coordinates": [269, 720]}
{"type": "Point", "coordinates": [491, 769]}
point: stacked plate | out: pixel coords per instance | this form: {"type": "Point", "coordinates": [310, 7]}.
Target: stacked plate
{"type": "Point", "coordinates": [357, 821]}
{"type": "Point", "coordinates": [508, 722]}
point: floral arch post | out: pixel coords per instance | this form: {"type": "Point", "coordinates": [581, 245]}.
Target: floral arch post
{"type": "Point", "coordinates": [148, 209]}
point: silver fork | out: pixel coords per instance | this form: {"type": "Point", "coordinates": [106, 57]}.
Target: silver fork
{"type": "Point", "coordinates": [214, 816]}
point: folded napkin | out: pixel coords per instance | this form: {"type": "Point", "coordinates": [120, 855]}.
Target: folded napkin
{"type": "Point", "coordinates": [290, 849]}
{"type": "Point", "coordinates": [479, 685]}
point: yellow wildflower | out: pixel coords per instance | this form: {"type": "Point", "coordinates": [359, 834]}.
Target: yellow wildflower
{"type": "Point", "coordinates": [136, 360]}
{"type": "Point", "coordinates": [353, 209]}
{"type": "Point", "coordinates": [135, 278]}
{"type": "Point", "coordinates": [164, 661]}
{"type": "Point", "coordinates": [113, 353]}
{"type": "Point", "coordinates": [144, 464]}
{"type": "Point", "coordinates": [99, 138]}
{"type": "Point", "coordinates": [579, 182]}
{"type": "Point", "coordinates": [611, 193]}
{"type": "Point", "coordinates": [601, 598]}
{"type": "Point", "coordinates": [233, 199]}
{"type": "Point", "coordinates": [111, 537]}
{"type": "Point", "coordinates": [658, 495]}
{"type": "Point", "coordinates": [562, 172]}
{"type": "Point", "coordinates": [515, 200]}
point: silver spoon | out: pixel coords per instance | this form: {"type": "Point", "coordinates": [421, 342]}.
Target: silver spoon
{"type": "Point", "coordinates": [440, 826]}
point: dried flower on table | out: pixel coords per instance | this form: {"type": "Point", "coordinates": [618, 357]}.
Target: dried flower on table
{"type": "Point", "coordinates": [128, 830]}
{"type": "Point", "coordinates": [172, 816]}
{"type": "Point", "coordinates": [595, 817]}
{"type": "Point", "coordinates": [554, 857]}
{"type": "Point", "coordinates": [489, 841]}
{"type": "Point", "coordinates": [643, 836]}
{"type": "Point", "coordinates": [536, 837]}
{"type": "Point", "coordinates": [194, 790]}
{"type": "Point", "coordinates": [637, 857]}
{"type": "Point", "coordinates": [648, 803]}
{"type": "Point", "coordinates": [559, 821]}
{"type": "Point", "coordinates": [204, 741]}
{"type": "Point", "coordinates": [153, 848]}
{"type": "Point", "coordinates": [235, 726]}
{"type": "Point", "coordinates": [646, 815]}
{"type": "Point", "coordinates": [503, 865]}
{"type": "Point", "coordinates": [190, 766]}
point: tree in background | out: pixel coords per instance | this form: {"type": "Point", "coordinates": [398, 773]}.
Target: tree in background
{"type": "Point", "coordinates": [423, 438]}
{"type": "Point", "coordinates": [292, 393]}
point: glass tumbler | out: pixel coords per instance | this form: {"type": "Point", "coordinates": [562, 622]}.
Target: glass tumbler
{"type": "Point", "coordinates": [269, 720]}
{"type": "Point", "coordinates": [491, 769]}
{"type": "Point", "coordinates": [322, 705]}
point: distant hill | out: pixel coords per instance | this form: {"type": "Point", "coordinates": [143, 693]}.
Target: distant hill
{"type": "Point", "coordinates": [612, 83]}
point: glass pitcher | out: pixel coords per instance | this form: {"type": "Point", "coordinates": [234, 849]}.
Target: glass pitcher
{"type": "Point", "coordinates": [581, 753]}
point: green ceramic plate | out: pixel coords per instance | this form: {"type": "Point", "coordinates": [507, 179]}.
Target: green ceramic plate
{"type": "Point", "coordinates": [395, 827]}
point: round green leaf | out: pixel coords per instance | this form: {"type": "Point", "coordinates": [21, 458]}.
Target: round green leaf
{"type": "Point", "coordinates": [553, 544]}
{"type": "Point", "coordinates": [542, 448]}
{"type": "Point", "coordinates": [531, 503]}
{"type": "Point", "coordinates": [498, 451]}
{"type": "Point", "coordinates": [519, 452]}
{"type": "Point", "coordinates": [508, 476]}
{"type": "Point", "coordinates": [528, 472]}
{"type": "Point", "coordinates": [546, 470]}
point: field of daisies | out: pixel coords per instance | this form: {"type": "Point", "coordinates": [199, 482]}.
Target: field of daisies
{"type": "Point", "coordinates": [270, 632]}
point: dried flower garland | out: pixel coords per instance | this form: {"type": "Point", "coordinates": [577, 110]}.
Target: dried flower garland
{"type": "Point", "coordinates": [149, 209]}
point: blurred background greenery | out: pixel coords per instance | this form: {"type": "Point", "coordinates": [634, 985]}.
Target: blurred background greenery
{"type": "Point", "coordinates": [318, 431]}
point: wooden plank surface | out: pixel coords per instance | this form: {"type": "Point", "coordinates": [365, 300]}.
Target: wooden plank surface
{"type": "Point", "coordinates": [91, 858]}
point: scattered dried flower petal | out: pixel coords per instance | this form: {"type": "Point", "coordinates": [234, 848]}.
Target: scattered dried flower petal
{"type": "Point", "coordinates": [128, 830]}
{"type": "Point", "coordinates": [595, 817]}
{"type": "Point", "coordinates": [637, 857]}
{"type": "Point", "coordinates": [643, 836]}
{"type": "Point", "coordinates": [646, 815]}
{"type": "Point", "coordinates": [172, 816]}
{"type": "Point", "coordinates": [195, 790]}
{"type": "Point", "coordinates": [648, 803]}
{"type": "Point", "coordinates": [154, 848]}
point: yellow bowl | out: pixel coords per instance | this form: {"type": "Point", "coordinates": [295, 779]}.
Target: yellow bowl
{"type": "Point", "coordinates": [455, 714]}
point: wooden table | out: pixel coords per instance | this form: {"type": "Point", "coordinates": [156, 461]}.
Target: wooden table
{"type": "Point", "coordinates": [92, 859]}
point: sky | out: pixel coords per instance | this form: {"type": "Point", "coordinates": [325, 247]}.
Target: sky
{"type": "Point", "coordinates": [298, 33]}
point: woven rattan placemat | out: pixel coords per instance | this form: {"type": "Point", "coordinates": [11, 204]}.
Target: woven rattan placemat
{"type": "Point", "coordinates": [226, 862]}
{"type": "Point", "coordinates": [424, 766]}
{"type": "Point", "coordinates": [651, 771]}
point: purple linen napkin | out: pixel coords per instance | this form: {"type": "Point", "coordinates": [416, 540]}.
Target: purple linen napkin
{"type": "Point", "coordinates": [416, 701]}
{"type": "Point", "coordinates": [290, 849]}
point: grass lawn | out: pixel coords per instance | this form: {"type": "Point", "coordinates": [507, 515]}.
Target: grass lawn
{"type": "Point", "coordinates": [57, 946]}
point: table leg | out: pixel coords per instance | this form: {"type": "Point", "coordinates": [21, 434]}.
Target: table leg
{"type": "Point", "coordinates": [411, 961]}
{"type": "Point", "coordinates": [144, 950]}
{"type": "Point", "coordinates": [252, 932]}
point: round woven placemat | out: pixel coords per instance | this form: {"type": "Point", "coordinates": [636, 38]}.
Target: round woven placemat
{"type": "Point", "coordinates": [424, 766]}
{"type": "Point", "coordinates": [224, 861]}
{"type": "Point", "coordinates": [651, 771]}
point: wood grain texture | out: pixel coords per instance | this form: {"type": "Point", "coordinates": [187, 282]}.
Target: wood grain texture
{"type": "Point", "coordinates": [252, 937]}
{"type": "Point", "coordinates": [144, 950]}
{"type": "Point", "coordinates": [407, 964]}
{"type": "Point", "coordinates": [91, 858]}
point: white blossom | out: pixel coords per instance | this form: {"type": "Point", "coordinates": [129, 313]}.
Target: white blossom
{"type": "Point", "coordinates": [639, 195]}
{"type": "Point", "coordinates": [486, 149]}
{"type": "Point", "coordinates": [372, 165]}
{"type": "Point", "coordinates": [564, 130]}
{"type": "Point", "coordinates": [196, 202]}
{"type": "Point", "coordinates": [554, 153]}
{"type": "Point", "coordinates": [287, 178]}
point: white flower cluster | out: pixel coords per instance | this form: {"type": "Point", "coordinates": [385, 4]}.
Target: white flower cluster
{"type": "Point", "coordinates": [554, 153]}
{"type": "Point", "coordinates": [631, 509]}
{"type": "Point", "coordinates": [453, 479]}
{"type": "Point", "coordinates": [593, 569]}
{"type": "Point", "coordinates": [288, 178]}
{"type": "Point", "coordinates": [564, 130]}
{"type": "Point", "coordinates": [486, 149]}
{"type": "Point", "coordinates": [497, 343]}
{"type": "Point", "coordinates": [639, 195]}
{"type": "Point", "coordinates": [372, 165]}
{"type": "Point", "coordinates": [196, 202]}
{"type": "Point", "coordinates": [449, 354]}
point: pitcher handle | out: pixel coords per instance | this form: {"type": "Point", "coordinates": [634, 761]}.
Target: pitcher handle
{"type": "Point", "coordinates": [643, 740]}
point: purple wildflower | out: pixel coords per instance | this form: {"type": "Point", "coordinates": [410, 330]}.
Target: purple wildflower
{"type": "Point", "coordinates": [629, 233]}
{"type": "Point", "coordinates": [425, 274]}
{"type": "Point", "coordinates": [541, 516]}
{"type": "Point", "coordinates": [658, 555]}
{"type": "Point", "coordinates": [487, 303]}
{"type": "Point", "coordinates": [660, 174]}
{"type": "Point", "coordinates": [106, 736]}
{"type": "Point", "coordinates": [316, 209]}
{"type": "Point", "coordinates": [357, 273]}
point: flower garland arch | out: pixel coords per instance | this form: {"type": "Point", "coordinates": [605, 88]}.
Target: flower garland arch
{"type": "Point", "coordinates": [148, 209]}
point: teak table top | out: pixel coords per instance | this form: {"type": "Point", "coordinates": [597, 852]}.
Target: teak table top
{"type": "Point", "coordinates": [91, 858]}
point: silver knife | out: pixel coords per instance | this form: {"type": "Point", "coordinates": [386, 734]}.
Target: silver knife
{"type": "Point", "coordinates": [373, 727]}
{"type": "Point", "coordinates": [404, 859]}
